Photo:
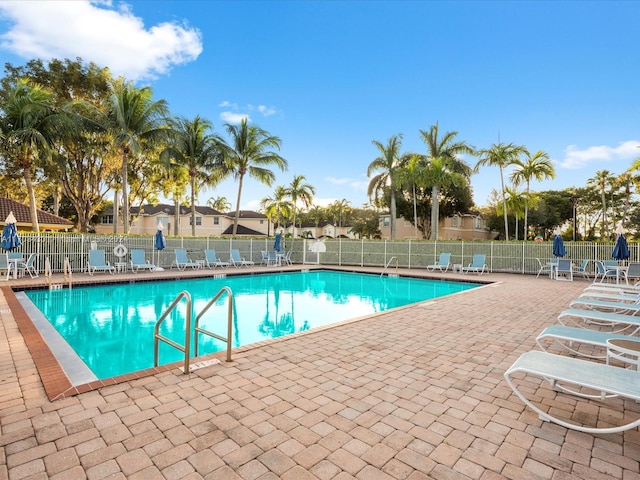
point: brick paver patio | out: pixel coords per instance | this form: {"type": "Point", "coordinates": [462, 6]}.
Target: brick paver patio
{"type": "Point", "coordinates": [412, 394]}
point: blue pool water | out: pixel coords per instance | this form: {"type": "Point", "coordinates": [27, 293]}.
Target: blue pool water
{"type": "Point", "coordinates": [110, 327]}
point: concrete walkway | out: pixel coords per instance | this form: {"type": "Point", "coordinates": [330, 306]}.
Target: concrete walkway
{"type": "Point", "coordinates": [415, 393]}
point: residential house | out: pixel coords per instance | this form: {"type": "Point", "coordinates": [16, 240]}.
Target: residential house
{"type": "Point", "coordinates": [467, 226]}
{"type": "Point", "coordinates": [209, 221]}
{"type": "Point", "coordinates": [47, 221]}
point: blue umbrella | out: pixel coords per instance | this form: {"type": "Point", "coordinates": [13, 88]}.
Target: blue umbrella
{"type": "Point", "coordinates": [621, 250]}
{"type": "Point", "coordinates": [558, 247]}
{"type": "Point", "coordinates": [160, 243]}
{"type": "Point", "coordinates": [277, 245]}
{"type": "Point", "coordinates": [10, 238]}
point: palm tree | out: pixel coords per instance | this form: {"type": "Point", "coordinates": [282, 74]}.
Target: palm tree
{"type": "Point", "coordinates": [28, 124]}
{"type": "Point", "coordinates": [198, 152]}
{"type": "Point", "coordinates": [277, 207]}
{"type": "Point", "coordinates": [412, 175]}
{"type": "Point", "coordinates": [219, 203]}
{"type": "Point", "coordinates": [516, 202]}
{"type": "Point", "coordinates": [445, 167]}
{"type": "Point", "coordinates": [298, 189]}
{"type": "Point", "coordinates": [251, 150]}
{"type": "Point", "coordinates": [389, 163]}
{"type": "Point", "coordinates": [602, 179]}
{"type": "Point", "coordinates": [133, 119]}
{"type": "Point", "coordinates": [501, 155]}
{"type": "Point", "coordinates": [538, 166]}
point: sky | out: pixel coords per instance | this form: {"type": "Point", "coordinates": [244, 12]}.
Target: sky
{"type": "Point", "coordinates": [330, 77]}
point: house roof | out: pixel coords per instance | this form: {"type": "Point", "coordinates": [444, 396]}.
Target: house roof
{"type": "Point", "coordinates": [246, 214]}
{"type": "Point", "coordinates": [242, 230]}
{"type": "Point", "coordinates": [165, 209]}
{"type": "Point", "coordinates": [22, 213]}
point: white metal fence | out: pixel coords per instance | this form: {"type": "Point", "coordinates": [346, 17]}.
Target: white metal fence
{"type": "Point", "coordinates": [515, 257]}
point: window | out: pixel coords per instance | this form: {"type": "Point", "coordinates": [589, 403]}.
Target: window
{"type": "Point", "coordinates": [107, 219]}
{"type": "Point", "coordinates": [261, 222]}
{"type": "Point", "coordinates": [386, 221]}
{"type": "Point", "coordinates": [198, 221]}
{"type": "Point", "coordinates": [216, 220]}
{"type": "Point", "coordinates": [478, 222]}
{"type": "Point", "coordinates": [454, 221]}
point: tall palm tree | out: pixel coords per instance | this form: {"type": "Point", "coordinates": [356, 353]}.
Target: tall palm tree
{"type": "Point", "coordinates": [277, 207]}
{"type": "Point", "coordinates": [501, 155]}
{"type": "Point", "coordinates": [134, 118]}
{"type": "Point", "coordinates": [29, 127]}
{"type": "Point", "coordinates": [445, 166]}
{"type": "Point", "coordinates": [219, 203]}
{"type": "Point", "coordinates": [412, 175]}
{"type": "Point", "coordinates": [192, 147]}
{"type": "Point", "coordinates": [389, 164]}
{"type": "Point", "coordinates": [602, 179]}
{"type": "Point", "coordinates": [298, 189]}
{"type": "Point", "coordinates": [251, 150]}
{"type": "Point", "coordinates": [538, 166]}
{"type": "Point", "coordinates": [516, 202]}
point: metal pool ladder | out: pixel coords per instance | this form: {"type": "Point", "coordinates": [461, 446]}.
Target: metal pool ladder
{"type": "Point", "coordinates": [389, 263]}
{"type": "Point", "coordinates": [186, 348]}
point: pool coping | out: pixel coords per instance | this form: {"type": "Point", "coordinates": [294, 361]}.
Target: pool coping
{"type": "Point", "coordinates": [58, 385]}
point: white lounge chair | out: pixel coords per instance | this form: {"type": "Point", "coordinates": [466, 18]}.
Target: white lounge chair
{"type": "Point", "coordinates": [212, 261]}
{"type": "Point", "coordinates": [566, 336]}
{"type": "Point", "coordinates": [28, 266]}
{"type": "Point", "coordinates": [443, 263]}
{"type": "Point", "coordinates": [97, 263]}
{"type": "Point", "coordinates": [572, 375]}
{"type": "Point", "coordinates": [477, 265]}
{"type": "Point", "coordinates": [606, 305]}
{"type": "Point", "coordinates": [182, 261]}
{"type": "Point", "coordinates": [237, 260]}
{"type": "Point", "coordinates": [630, 324]}
{"type": "Point", "coordinates": [138, 261]}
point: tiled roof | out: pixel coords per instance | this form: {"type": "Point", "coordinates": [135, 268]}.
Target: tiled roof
{"type": "Point", "coordinates": [242, 230]}
{"type": "Point", "coordinates": [22, 213]}
{"type": "Point", "coordinates": [246, 214]}
{"type": "Point", "coordinates": [169, 210]}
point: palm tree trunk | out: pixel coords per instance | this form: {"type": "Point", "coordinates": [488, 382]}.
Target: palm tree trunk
{"type": "Point", "coordinates": [393, 214]}
{"type": "Point", "coordinates": [415, 212]}
{"type": "Point", "coordinates": [235, 221]}
{"type": "Point", "coordinates": [176, 218]}
{"type": "Point", "coordinates": [526, 215]}
{"type": "Point", "coordinates": [32, 201]}
{"type": "Point", "coordinates": [125, 194]}
{"type": "Point", "coordinates": [193, 206]}
{"type": "Point", "coordinates": [435, 212]}
{"type": "Point", "coordinates": [504, 207]}
{"type": "Point", "coordinates": [116, 204]}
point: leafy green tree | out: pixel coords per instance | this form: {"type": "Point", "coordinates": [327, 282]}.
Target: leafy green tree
{"type": "Point", "coordinates": [135, 121]}
{"type": "Point", "coordinates": [277, 207]}
{"type": "Point", "coordinates": [601, 181]}
{"type": "Point", "coordinates": [299, 190]}
{"type": "Point", "coordinates": [537, 166]}
{"type": "Point", "coordinates": [250, 151]}
{"type": "Point", "coordinates": [389, 164]}
{"type": "Point", "coordinates": [219, 203]}
{"type": "Point", "coordinates": [192, 146]}
{"type": "Point", "coordinates": [412, 175]}
{"type": "Point", "coordinates": [500, 155]}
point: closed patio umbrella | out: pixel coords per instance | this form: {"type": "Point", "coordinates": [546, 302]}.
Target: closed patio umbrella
{"type": "Point", "coordinates": [277, 246]}
{"type": "Point", "coordinates": [558, 246]}
{"type": "Point", "coordinates": [159, 242]}
{"type": "Point", "coordinates": [10, 239]}
{"type": "Point", "coordinates": [621, 250]}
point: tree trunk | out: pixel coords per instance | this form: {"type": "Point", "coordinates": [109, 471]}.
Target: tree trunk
{"type": "Point", "coordinates": [193, 206]}
{"type": "Point", "coordinates": [435, 212]}
{"type": "Point", "coordinates": [116, 205]}
{"type": "Point", "coordinates": [125, 194]}
{"type": "Point", "coordinates": [504, 207]}
{"type": "Point", "coordinates": [32, 201]}
{"type": "Point", "coordinates": [235, 221]}
{"type": "Point", "coordinates": [393, 214]}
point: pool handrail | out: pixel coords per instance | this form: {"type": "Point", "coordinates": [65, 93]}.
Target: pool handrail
{"type": "Point", "coordinates": [187, 335]}
{"type": "Point", "coordinates": [197, 328]}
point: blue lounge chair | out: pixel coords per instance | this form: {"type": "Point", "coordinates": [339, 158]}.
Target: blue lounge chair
{"type": "Point", "coordinates": [443, 263]}
{"type": "Point", "coordinates": [630, 324]}
{"type": "Point", "coordinates": [237, 260]}
{"type": "Point", "coordinates": [566, 336]}
{"type": "Point", "coordinates": [28, 266]}
{"type": "Point", "coordinates": [605, 272]}
{"type": "Point", "coordinates": [564, 270]}
{"type": "Point", "coordinates": [212, 261]}
{"type": "Point", "coordinates": [98, 263]}
{"type": "Point", "coordinates": [182, 261]}
{"type": "Point", "coordinates": [139, 262]}
{"type": "Point", "coordinates": [572, 375]}
{"type": "Point", "coordinates": [477, 265]}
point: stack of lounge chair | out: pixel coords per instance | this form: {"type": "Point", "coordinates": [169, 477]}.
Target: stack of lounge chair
{"type": "Point", "coordinates": [598, 336]}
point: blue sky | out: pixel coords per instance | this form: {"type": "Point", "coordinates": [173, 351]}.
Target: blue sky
{"type": "Point", "coordinates": [328, 77]}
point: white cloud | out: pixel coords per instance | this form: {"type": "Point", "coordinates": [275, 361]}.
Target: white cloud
{"type": "Point", "coordinates": [266, 111]}
{"type": "Point", "coordinates": [97, 32]}
{"type": "Point", "coordinates": [232, 117]}
{"type": "Point", "coordinates": [353, 183]}
{"type": "Point", "coordinates": [575, 158]}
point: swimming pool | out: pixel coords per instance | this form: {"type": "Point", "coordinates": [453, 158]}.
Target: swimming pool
{"type": "Point", "coordinates": [110, 327]}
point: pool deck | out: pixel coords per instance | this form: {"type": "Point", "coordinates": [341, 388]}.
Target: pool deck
{"type": "Point", "coordinates": [413, 393]}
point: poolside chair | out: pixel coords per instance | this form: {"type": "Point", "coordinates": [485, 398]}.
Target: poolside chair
{"type": "Point", "coordinates": [582, 269]}
{"type": "Point", "coordinates": [546, 268]}
{"type": "Point", "coordinates": [98, 263]}
{"type": "Point", "coordinates": [212, 261]}
{"type": "Point", "coordinates": [182, 261]}
{"type": "Point", "coordinates": [265, 258]}
{"type": "Point", "coordinates": [619, 322]}
{"type": "Point", "coordinates": [273, 259]}
{"type": "Point", "coordinates": [619, 306]}
{"type": "Point", "coordinates": [443, 263]}
{"type": "Point", "coordinates": [633, 273]}
{"type": "Point", "coordinates": [28, 266]}
{"type": "Point", "coordinates": [564, 270]}
{"type": "Point", "coordinates": [566, 336]}
{"type": "Point", "coordinates": [287, 258]}
{"type": "Point", "coordinates": [477, 265]}
{"type": "Point", "coordinates": [237, 260]}
{"type": "Point", "coordinates": [4, 265]}
{"type": "Point", "coordinates": [604, 273]}
{"type": "Point", "coordinates": [572, 376]}
{"type": "Point", "coordinates": [139, 262]}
